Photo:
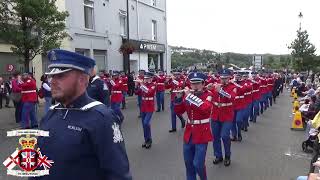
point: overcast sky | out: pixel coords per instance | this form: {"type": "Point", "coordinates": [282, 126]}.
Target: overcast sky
{"type": "Point", "coordinates": [243, 26]}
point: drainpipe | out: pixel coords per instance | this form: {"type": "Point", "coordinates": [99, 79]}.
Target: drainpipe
{"type": "Point", "coordinates": [138, 29]}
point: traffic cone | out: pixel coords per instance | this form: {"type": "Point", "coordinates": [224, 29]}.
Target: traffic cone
{"type": "Point", "coordinates": [297, 121]}
{"type": "Point", "coordinates": [293, 91]}
{"type": "Point", "coordinates": [296, 105]}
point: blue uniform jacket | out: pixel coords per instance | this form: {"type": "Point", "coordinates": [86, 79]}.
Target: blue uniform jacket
{"type": "Point", "coordinates": [84, 145]}
{"type": "Point", "coordinates": [98, 90]}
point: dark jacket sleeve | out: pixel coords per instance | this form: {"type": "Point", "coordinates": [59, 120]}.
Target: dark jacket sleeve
{"type": "Point", "coordinates": [103, 92]}
{"type": "Point", "coordinates": [109, 146]}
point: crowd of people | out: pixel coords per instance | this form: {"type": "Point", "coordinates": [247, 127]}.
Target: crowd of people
{"type": "Point", "coordinates": [212, 107]}
{"type": "Point", "coordinates": [307, 88]}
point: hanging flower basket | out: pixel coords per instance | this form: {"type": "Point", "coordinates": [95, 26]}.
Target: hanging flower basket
{"type": "Point", "coordinates": [127, 48]}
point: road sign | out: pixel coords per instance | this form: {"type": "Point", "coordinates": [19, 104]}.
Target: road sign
{"type": "Point", "coordinates": [10, 68]}
{"type": "Point", "coordinates": [257, 62]}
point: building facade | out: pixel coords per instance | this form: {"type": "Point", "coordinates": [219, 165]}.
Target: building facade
{"type": "Point", "coordinates": [97, 28]}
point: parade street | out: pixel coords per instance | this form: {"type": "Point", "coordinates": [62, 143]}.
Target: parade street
{"type": "Point", "coordinates": [269, 150]}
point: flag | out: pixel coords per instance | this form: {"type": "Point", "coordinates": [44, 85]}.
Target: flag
{"type": "Point", "coordinates": [11, 161]}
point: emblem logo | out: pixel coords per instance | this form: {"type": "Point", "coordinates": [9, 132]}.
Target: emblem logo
{"type": "Point", "coordinates": [117, 136]}
{"type": "Point", "coordinates": [28, 159]}
{"type": "Point", "coordinates": [53, 56]}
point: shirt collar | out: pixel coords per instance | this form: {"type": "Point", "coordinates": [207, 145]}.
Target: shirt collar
{"type": "Point", "coordinates": [80, 101]}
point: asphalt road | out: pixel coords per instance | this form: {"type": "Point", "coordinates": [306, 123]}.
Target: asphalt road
{"type": "Point", "coordinates": [269, 150]}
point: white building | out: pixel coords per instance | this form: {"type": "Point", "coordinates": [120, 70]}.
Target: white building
{"type": "Point", "coordinates": [97, 28]}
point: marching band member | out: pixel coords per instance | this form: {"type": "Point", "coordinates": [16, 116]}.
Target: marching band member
{"type": "Point", "coordinates": [148, 89]}
{"type": "Point", "coordinates": [124, 79]}
{"type": "Point", "coordinates": [247, 100]}
{"type": "Point", "coordinates": [263, 90]}
{"type": "Point", "coordinates": [239, 109]}
{"type": "Point", "coordinates": [175, 84]}
{"type": "Point", "coordinates": [255, 96]}
{"type": "Point", "coordinates": [160, 82]}
{"type": "Point", "coordinates": [197, 133]}
{"type": "Point", "coordinates": [116, 94]}
{"type": "Point", "coordinates": [138, 91]}
{"type": "Point", "coordinates": [222, 116]}
{"type": "Point", "coordinates": [270, 82]}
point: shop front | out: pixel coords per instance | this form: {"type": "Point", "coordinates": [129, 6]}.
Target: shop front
{"type": "Point", "coordinates": [148, 56]}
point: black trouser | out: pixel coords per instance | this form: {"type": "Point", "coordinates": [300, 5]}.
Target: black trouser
{"type": "Point", "coordinates": [315, 155]}
{"type": "Point", "coordinates": [7, 100]}
{"type": "Point", "coordinates": [18, 110]}
{"type": "Point", "coordinates": [1, 97]}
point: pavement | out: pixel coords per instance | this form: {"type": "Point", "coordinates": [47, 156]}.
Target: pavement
{"type": "Point", "coordinates": [269, 150]}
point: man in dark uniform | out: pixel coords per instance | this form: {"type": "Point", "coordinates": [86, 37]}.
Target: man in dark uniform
{"type": "Point", "coordinates": [97, 88]}
{"type": "Point", "coordinates": [85, 139]}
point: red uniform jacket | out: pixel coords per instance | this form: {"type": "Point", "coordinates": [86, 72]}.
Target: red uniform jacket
{"type": "Point", "coordinates": [116, 90]}
{"type": "Point", "coordinates": [124, 79]}
{"type": "Point", "coordinates": [175, 85]}
{"type": "Point", "coordinates": [248, 92]}
{"type": "Point", "coordinates": [239, 98]}
{"type": "Point", "coordinates": [263, 85]}
{"type": "Point", "coordinates": [209, 80]}
{"type": "Point", "coordinates": [160, 80]}
{"type": "Point", "coordinates": [223, 109]}
{"type": "Point", "coordinates": [148, 92]}
{"type": "Point", "coordinates": [29, 91]}
{"type": "Point", "coordinates": [138, 91]}
{"type": "Point", "coordinates": [256, 94]}
{"type": "Point", "coordinates": [198, 124]}
{"type": "Point", "coordinates": [270, 82]}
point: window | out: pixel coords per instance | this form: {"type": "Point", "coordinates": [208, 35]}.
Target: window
{"type": "Point", "coordinates": [154, 30]}
{"type": "Point", "coordinates": [88, 14]}
{"type": "Point", "coordinates": [123, 23]}
{"type": "Point", "coordinates": [100, 56]}
{"type": "Point", "coordinates": [84, 52]}
{"type": "Point", "coordinates": [154, 2]}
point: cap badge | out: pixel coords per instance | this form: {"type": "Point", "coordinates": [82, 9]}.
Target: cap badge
{"type": "Point", "coordinates": [53, 56]}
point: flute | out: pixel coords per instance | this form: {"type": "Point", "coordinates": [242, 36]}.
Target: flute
{"type": "Point", "coordinates": [183, 90]}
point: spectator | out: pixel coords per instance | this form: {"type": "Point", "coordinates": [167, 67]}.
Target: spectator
{"type": "Point", "coordinates": [2, 91]}
{"type": "Point", "coordinates": [310, 92]}
{"type": "Point", "coordinates": [29, 100]}
{"type": "Point", "coordinates": [131, 83]}
{"type": "Point", "coordinates": [16, 95]}
{"type": "Point", "coordinates": [8, 89]}
{"type": "Point", "coordinates": [46, 92]}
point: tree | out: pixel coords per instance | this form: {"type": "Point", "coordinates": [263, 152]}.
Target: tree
{"type": "Point", "coordinates": [32, 27]}
{"type": "Point", "coordinates": [303, 52]}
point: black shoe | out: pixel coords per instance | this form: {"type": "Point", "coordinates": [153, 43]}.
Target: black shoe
{"type": "Point", "coordinates": [239, 138]}
{"type": "Point", "coordinates": [233, 139]}
{"type": "Point", "coordinates": [7, 106]}
{"type": "Point", "coordinates": [148, 145]}
{"type": "Point", "coordinates": [158, 111]}
{"type": "Point", "coordinates": [172, 130]}
{"type": "Point", "coordinates": [245, 129]}
{"type": "Point", "coordinates": [144, 145]}
{"type": "Point", "coordinates": [139, 116]}
{"type": "Point", "coordinates": [217, 160]}
{"type": "Point", "coordinates": [162, 109]}
{"type": "Point", "coordinates": [227, 161]}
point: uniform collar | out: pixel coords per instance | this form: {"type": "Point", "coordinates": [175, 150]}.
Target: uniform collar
{"type": "Point", "coordinates": [81, 101]}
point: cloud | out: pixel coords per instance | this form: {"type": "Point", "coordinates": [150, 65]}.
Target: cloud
{"type": "Point", "coordinates": [244, 26]}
